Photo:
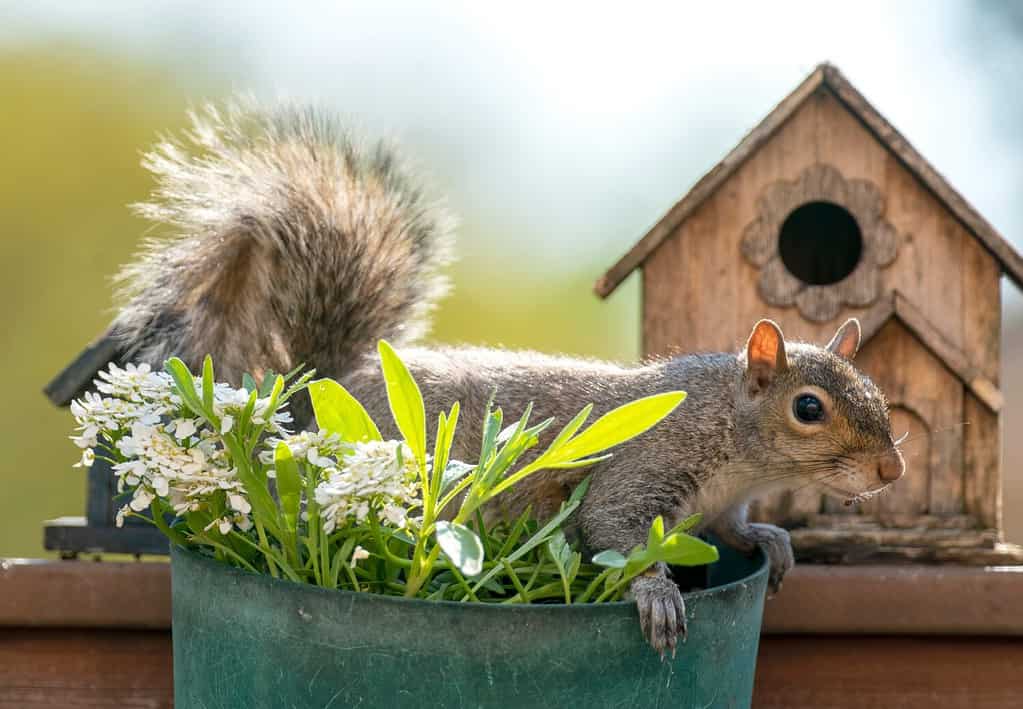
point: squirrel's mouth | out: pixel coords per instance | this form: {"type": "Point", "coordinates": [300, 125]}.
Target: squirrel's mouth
{"type": "Point", "coordinates": [854, 498]}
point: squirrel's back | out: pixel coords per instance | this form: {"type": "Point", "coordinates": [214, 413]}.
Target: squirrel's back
{"type": "Point", "coordinates": [285, 242]}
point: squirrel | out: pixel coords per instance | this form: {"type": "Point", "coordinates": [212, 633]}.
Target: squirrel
{"type": "Point", "coordinates": [290, 243]}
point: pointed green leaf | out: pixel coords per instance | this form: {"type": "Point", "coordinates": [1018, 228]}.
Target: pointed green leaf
{"type": "Point", "coordinates": [656, 533]}
{"type": "Point", "coordinates": [248, 383]}
{"type": "Point", "coordinates": [406, 401]}
{"type": "Point", "coordinates": [184, 382]}
{"type": "Point", "coordinates": [453, 472]}
{"type": "Point", "coordinates": [686, 524]}
{"type": "Point", "coordinates": [337, 411]}
{"type": "Point", "coordinates": [686, 550]}
{"type": "Point", "coordinates": [289, 485]}
{"type": "Point", "coordinates": [207, 383]}
{"type": "Point", "coordinates": [621, 424]}
{"type": "Point", "coordinates": [610, 558]}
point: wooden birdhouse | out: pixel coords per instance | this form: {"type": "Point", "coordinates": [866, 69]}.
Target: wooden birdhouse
{"type": "Point", "coordinates": [824, 212]}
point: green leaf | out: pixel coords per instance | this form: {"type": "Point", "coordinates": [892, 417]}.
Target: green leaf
{"type": "Point", "coordinates": [337, 411]}
{"type": "Point", "coordinates": [184, 382]}
{"type": "Point", "coordinates": [685, 550]}
{"type": "Point", "coordinates": [289, 486]}
{"type": "Point", "coordinates": [249, 384]}
{"type": "Point", "coordinates": [454, 471]}
{"type": "Point", "coordinates": [207, 383]}
{"type": "Point", "coordinates": [567, 508]}
{"type": "Point", "coordinates": [610, 558]}
{"type": "Point", "coordinates": [560, 552]}
{"type": "Point", "coordinates": [267, 386]}
{"type": "Point", "coordinates": [656, 533]}
{"type": "Point", "coordinates": [446, 426]}
{"type": "Point", "coordinates": [406, 401]}
{"type": "Point", "coordinates": [686, 524]}
{"type": "Point", "coordinates": [462, 547]}
{"type": "Point", "coordinates": [618, 426]}
{"type": "Point", "coordinates": [491, 584]}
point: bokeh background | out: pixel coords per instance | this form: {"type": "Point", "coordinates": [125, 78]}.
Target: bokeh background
{"type": "Point", "coordinates": [558, 133]}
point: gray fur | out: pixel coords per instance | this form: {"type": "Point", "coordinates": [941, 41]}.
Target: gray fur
{"type": "Point", "coordinates": [286, 243]}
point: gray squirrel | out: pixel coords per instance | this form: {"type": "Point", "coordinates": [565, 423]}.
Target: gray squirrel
{"type": "Point", "coordinates": [288, 243]}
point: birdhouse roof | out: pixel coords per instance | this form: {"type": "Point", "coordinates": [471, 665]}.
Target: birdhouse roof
{"type": "Point", "coordinates": [897, 307]}
{"type": "Point", "coordinates": [828, 76]}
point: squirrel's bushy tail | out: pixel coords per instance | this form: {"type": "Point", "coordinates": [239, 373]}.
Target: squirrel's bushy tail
{"type": "Point", "coordinates": [286, 243]}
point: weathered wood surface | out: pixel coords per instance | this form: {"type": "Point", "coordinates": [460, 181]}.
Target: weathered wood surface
{"type": "Point", "coordinates": [57, 668]}
{"type": "Point", "coordinates": [835, 672]}
{"type": "Point", "coordinates": [819, 183]}
{"type": "Point", "coordinates": [968, 368]}
{"type": "Point", "coordinates": [824, 78]}
{"type": "Point", "coordinates": [80, 594]}
{"type": "Point", "coordinates": [834, 637]}
{"type": "Point", "coordinates": [700, 294]}
{"type": "Point", "coordinates": [816, 598]}
{"type": "Point", "coordinates": [698, 276]}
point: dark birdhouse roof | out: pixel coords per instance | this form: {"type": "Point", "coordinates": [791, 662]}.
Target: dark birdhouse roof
{"type": "Point", "coordinates": [830, 77]}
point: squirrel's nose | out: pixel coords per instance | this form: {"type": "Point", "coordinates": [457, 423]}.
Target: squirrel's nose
{"type": "Point", "coordinates": [891, 467]}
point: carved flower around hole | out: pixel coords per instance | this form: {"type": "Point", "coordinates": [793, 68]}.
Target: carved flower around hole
{"type": "Point", "coordinates": [761, 240]}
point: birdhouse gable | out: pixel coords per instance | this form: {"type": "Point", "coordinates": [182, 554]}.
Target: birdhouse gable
{"type": "Point", "coordinates": [896, 307]}
{"type": "Point", "coordinates": [825, 78]}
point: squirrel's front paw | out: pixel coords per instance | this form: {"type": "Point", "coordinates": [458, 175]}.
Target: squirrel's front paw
{"type": "Point", "coordinates": [777, 547]}
{"type": "Point", "coordinates": [662, 615]}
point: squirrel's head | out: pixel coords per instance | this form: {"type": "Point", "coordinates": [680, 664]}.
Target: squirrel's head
{"type": "Point", "coordinates": [818, 418]}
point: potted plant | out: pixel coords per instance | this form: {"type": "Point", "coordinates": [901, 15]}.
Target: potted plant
{"type": "Point", "coordinates": [335, 568]}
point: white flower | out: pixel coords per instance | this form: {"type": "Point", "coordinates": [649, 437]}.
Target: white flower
{"type": "Point", "coordinates": [228, 401]}
{"type": "Point", "coordinates": [88, 458]}
{"type": "Point", "coordinates": [226, 424]}
{"type": "Point", "coordinates": [183, 428]}
{"type": "Point", "coordinates": [358, 555]}
{"type": "Point", "coordinates": [141, 500]}
{"type": "Point", "coordinates": [372, 475]}
{"type": "Point", "coordinates": [160, 465]}
{"type": "Point", "coordinates": [395, 514]}
{"type": "Point", "coordinates": [225, 524]}
{"type": "Point", "coordinates": [239, 503]}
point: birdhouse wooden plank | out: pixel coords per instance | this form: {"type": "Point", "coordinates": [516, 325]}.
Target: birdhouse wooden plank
{"type": "Point", "coordinates": [823, 212]}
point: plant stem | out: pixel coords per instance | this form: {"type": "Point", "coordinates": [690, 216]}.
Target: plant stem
{"type": "Point", "coordinates": [510, 570]}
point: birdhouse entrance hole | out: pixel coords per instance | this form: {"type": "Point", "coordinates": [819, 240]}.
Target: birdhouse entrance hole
{"type": "Point", "coordinates": [820, 243]}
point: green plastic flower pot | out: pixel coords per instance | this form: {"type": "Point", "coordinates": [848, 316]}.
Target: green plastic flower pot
{"type": "Point", "coordinates": [244, 640]}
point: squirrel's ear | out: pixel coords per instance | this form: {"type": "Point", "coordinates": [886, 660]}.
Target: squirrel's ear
{"type": "Point", "coordinates": [765, 354]}
{"type": "Point", "coordinates": [846, 341]}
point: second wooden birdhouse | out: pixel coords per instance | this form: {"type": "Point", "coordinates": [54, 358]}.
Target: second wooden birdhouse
{"type": "Point", "coordinates": [824, 212]}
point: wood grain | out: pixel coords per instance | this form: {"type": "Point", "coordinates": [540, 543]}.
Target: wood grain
{"type": "Point", "coordinates": [57, 668]}
{"type": "Point", "coordinates": [882, 133]}
{"type": "Point", "coordinates": [888, 673]}
{"type": "Point", "coordinates": [982, 463]}
{"type": "Point", "coordinates": [84, 594]}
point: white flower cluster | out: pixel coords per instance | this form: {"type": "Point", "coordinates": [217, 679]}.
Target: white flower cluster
{"type": "Point", "coordinates": [166, 453]}
{"type": "Point", "coordinates": [318, 448]}
{"type": "Point", "coordinates": [379, 475]}
{"type": "Point", "coordinates": [229, 402]}
{"type": "Point", "coordinates": [183, 465]}
{"type": "Point", "coordinates": [135, 394]}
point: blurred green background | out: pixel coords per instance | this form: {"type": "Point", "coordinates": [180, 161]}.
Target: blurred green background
{"type": "Point", "coordinates": [559, 135]}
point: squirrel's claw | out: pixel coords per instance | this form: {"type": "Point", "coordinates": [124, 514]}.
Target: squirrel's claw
{"type": "Point", "coordinates": [777, 546]}
{"type": "Point", "coordinates": [662, 614]}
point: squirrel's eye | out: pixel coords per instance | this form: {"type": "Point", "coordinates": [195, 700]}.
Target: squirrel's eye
{"type": "Point", "coordinates": [808, 408]}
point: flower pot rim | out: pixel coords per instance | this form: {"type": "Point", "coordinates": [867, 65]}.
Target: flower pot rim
{"type": "Point", "coordinates": [177, 550]}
